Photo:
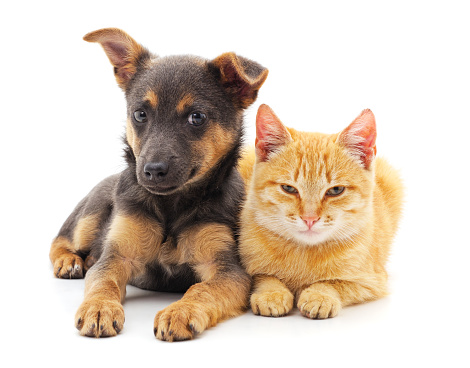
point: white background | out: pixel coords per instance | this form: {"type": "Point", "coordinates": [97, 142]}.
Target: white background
{"type": "Point", "coordinates": [61, 125]}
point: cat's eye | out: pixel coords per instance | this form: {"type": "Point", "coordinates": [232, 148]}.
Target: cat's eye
{"type": "Point", "coordinates": [289, 189]}
{"type": "Point", "coordinates": [197, 118]}
{"type": "Point", "coordinates": [335, 191]}
{"type": "Point", "coordinates": [140, 116]}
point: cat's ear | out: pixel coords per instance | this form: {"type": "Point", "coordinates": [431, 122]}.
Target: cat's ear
{"type": "Point", "coordinates": [359, 138]}
{"type": "Point", "coordinates": [124, 53]}
{"type": "Point", "coordinates": [271, 134]}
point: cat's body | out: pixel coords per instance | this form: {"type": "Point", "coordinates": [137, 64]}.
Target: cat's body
{"type": "Point", "coordinates": [319, 218]}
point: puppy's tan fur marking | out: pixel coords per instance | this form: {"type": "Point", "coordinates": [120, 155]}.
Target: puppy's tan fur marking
{"type": "Point", "coordinates": [213, 146]}
{"type": "Point", "coordinates": [59, 246]}
{"type": "Point", "coordinates": [152, 98]}
{"type": "Point", "coordinates": [169, 253]}
{"type": "Point", "coordinates": [132, 138]}
{"type": "Point", "coordinates": [204, 243]}
{"type": "Point", "coordinates": [135, 237]}
{"type": "Point", "coordinates": [186, 101]}
{"type": "Point", "coordinates": [85, 232]}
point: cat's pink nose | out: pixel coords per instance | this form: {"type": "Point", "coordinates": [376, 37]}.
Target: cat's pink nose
{"type": "Point", "coordinates": [310, 220]}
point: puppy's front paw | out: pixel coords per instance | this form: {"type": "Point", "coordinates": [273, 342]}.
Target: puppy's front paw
{"type": "Point", "coordinates": [99, 318]}
{"type": "Point", "coordinates": [317, 305]}
{"type": "Point", "coordinates": [69, 266]}
{"type": "Point", "coordinates": [180, 321]}
{"type": "Point", "coordinates": [274, 303]}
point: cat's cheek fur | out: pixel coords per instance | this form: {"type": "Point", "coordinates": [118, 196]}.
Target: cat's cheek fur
{"type": "Point", "coordinates": [272, 213]}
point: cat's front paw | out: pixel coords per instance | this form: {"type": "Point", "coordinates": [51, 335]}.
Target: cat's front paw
{"type": "Point", "coordinates": [276, 303]}
{"type": "Point", "coordinates": [318, 305]}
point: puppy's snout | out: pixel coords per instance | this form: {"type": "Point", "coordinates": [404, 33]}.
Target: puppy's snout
{"type": "Point", "coordinates": [156, 171]}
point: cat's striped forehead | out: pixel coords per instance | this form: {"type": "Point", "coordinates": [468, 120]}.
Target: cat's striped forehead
{"type": "Point", "coordinates": [315, 160]}
{"type": "Point", "coordinates": [311, 154]}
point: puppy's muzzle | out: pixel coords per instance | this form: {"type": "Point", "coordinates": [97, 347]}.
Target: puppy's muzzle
{"type": "Point", "coordinates": [156, 171]}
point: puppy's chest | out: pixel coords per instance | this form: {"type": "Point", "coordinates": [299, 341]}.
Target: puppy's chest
{"type": "Point", "coordinates": [169, 253]}
{"type": "Point", "coordinates": [168, 270]}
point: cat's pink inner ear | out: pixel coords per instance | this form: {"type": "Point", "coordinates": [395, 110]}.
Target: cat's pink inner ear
{"type": "Point", "coordinates": [271, 134]}
{"type": "Point", "coordinates": [359, 138]}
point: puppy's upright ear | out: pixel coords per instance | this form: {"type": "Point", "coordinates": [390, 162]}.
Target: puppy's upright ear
{"type": "Point", "coordinates": [124, 53]}
{"type": "Point", "coordinates": [241, 77]}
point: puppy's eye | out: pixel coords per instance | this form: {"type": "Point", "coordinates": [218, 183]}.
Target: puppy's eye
{"type": "Point", "coordinates": [197, 118]}
{"type": "Point", "coordinates": [335, 191]}
{"type": "Point", "coordinates": [289, 189]}
{"type": "Point", "coordinates": [140, 116]}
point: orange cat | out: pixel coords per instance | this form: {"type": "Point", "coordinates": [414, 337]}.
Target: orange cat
{"type": "Point", "coordinates": [320, 215]}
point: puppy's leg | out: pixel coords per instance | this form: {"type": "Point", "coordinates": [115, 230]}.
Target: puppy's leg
{"type": "Point", "coordinates": [101, 313]}
{"type": "Point", "coordinates": [222, 292]}
{"type": "Point", "coordinates": [80, 233]}
{"type": "Point", "coordinates": [72, 241]}
{"type": "Point", "coordinates": [130, 243]}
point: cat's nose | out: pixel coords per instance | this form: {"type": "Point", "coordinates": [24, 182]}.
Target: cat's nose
{"type": "Point", "coordinates": [310, 220]}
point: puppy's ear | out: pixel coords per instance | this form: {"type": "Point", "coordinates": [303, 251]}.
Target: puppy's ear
{"type": "Point", "coordinates": [241, 77]}
{"type": "Point", "coordinates": [124, 53]}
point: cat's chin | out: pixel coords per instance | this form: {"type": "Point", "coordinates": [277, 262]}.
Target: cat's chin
{"type": "Point", "coordinates": [310, 233]}
{"type": "Point", "coordinates": [311, 237]}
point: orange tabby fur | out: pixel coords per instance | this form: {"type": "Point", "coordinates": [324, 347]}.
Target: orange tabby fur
{"type": "Point", "coordinates": [341, 260]}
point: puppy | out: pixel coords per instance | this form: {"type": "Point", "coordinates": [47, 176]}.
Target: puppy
{"type": "Point", "coordinates": [168, 221]}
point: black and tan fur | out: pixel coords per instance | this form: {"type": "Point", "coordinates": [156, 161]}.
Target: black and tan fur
{"type": "Point", "coordinates": [170, 228]}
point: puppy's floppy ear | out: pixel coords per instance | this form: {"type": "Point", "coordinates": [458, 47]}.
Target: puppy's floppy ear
{"type": "Point", "coordinates": [124, 53]}
{"type": "Point", "coordinates": [241, 77]}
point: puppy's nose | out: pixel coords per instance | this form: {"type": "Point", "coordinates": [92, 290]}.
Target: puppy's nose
{"type": "Point", "coordinates": [156, 170]}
